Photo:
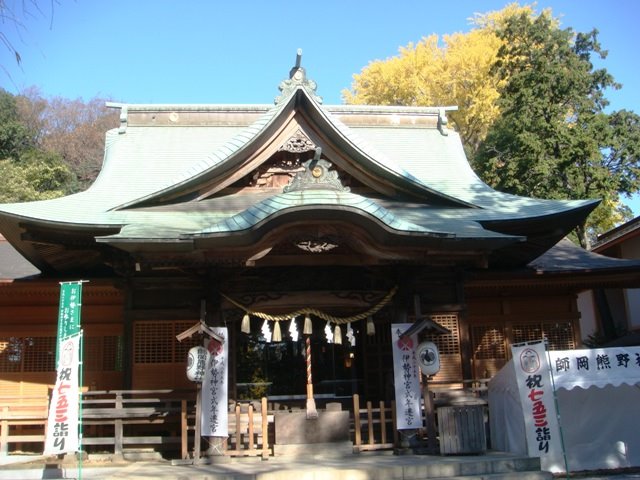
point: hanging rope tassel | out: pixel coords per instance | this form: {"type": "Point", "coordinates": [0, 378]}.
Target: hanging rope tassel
{"type": "Point", "coordinates": [371, 328]}
{"type": "Point", "coordinates": [245, 326]}
{"type": "Point", "coordinates": [277, 335]}
{"type": "Point", "coordinates": [337, 335]}
{"type": "Point", "coordinates": [308, 328]}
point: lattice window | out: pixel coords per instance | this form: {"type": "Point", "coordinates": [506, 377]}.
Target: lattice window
{"type": "Point", "coordinates": [92, 355]}
{"type": "Point", "coordinates": [449, 347]}
{"type": "Point", "coordinates": [11, 349]}
{"type": "Point", "coordinates": [488, 342]}
{"type": "Point", "coordinates": [559, 334]}
{"type": "Point", "coordinates": [39, 354]}
{"type": "Point", "coordinates": [155, 341]}
{"type": "Point", "coordinates": [448, 344]}
{"type": "Point", "coordinates": [112, 353]}
{"type": "Point", "coordinates": [102, 353]}
{"type": "Point", "coordinates": [528, 332]}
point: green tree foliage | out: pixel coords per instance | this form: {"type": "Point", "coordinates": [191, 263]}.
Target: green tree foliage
{"type": "Point", "coordinates": [553, 138]}
{"type": "Point", "coordinates": [15, 137]}
{"type": "Point", "coordinates": [37, 175]}
{"type": "Point", "coordinates": [27, 171]}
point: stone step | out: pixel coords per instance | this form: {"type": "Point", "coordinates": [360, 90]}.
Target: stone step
{"type": "Point", "coordinates": [378, 466]}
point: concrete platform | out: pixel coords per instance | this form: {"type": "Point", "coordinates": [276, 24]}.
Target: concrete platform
{"type": "Point", "coordinates": [363, 466]}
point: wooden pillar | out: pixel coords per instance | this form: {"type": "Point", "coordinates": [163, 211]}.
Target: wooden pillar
{"type": "Point", "coordinates": [4, 433]}
{"type": "Point", "coordinates": [184, 430]}
{"type": "Point", "coordinates": [464, 331]}
{"type": "Point", "coordinates": [429, 412]}
{"type": "Point", "coordinates": [265, 428]}
{"type": "Point", "coordinates": [118, 433]}
{"type": "Point", "coordinates": [430, 418]}
{"type": "Point", "coordinates": [127, 337]}
{"type": "Point", "coordinates": [198, 429]}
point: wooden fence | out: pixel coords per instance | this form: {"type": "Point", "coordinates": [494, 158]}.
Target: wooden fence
{"type": "Point", "coordinates": [374, 426]}
{"type": "Point", "coordinates": [249, 432]}
{"type": "Point", "coordinates": [117, 420]}
{"type": "Point", "coordinates": [131, 418]}
{"type": "Point", "coordinates": [22, 421]}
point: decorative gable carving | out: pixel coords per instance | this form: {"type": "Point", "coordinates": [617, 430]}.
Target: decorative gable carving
{"type": "Point", "coordinates": [298, 143]}
{"type": "Point", "coordinates": [317, 174]}
{"type": "Point", "coordinates": [278, 172]}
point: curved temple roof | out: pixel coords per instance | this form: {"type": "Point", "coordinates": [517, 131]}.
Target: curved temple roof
{"type": "Point", "coordinates": [169, 173]}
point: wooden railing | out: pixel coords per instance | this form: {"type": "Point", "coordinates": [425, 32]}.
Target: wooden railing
{"type": "Point", "coordinates": [108, 417]}
{"type": "Point", "coordinates": [22, 420]}
{"type": "Point", "coordinates": [374, 426]}
{"type": "Point", "coordinates": [248, 432]}
{"type": "Point", "coordinates": [119, 419]}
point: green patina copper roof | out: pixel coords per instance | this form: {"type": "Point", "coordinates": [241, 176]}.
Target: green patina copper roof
{"type": "Point", "coordinates": [161, 155]}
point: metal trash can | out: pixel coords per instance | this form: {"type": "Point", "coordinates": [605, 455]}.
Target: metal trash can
{"type": "Point", "coordinates": [461, 429]}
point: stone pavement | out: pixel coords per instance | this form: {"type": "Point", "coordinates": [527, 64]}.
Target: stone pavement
{"type": "Point", "coordinates": [364, 466]}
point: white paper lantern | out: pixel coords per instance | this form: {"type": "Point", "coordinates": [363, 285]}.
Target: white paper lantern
{"type": "Point", "coordinates": [197, 363]}
{"type": "Point", "coordinates": [428, 358]}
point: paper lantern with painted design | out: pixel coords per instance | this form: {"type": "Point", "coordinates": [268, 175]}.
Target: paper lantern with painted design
{"type": "Point", "coordinates": [197, 363]}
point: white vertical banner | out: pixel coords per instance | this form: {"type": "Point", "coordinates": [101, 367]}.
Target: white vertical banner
{"type": "Point", "coordinates": [214, 417]}
{"type": "Point", "coordinates": [536, 396]}
{"type": "Point", "coordinates": [62, 427]}
{"type": "Point", "coordinates": [406, 378]}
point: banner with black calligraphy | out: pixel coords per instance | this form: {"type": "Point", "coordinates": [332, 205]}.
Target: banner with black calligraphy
{"type": "Point", "coordinates": [215, 414]}
{"type": "Point", "coordinates": [406, 378]}
{"type": "Point", "coordinates": [596, 367]}
{"type": "Point", "coordinates": [536, 396]}
{"type": "Point", "coordinates": [62, 427]}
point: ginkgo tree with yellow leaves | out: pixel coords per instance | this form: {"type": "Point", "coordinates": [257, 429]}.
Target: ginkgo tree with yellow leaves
{"type": "Point", "coordinates": [455, 70]}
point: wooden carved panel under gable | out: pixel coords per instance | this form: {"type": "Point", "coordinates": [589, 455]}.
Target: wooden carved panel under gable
{"type": "Point", "coordinates": [285, 164]}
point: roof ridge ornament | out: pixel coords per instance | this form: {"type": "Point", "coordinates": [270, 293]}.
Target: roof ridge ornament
{"type": "Point", "coordinates": [297, 78]}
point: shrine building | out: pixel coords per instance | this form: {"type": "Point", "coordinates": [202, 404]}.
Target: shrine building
{"type": "Point", "coordinates": [286, 220]}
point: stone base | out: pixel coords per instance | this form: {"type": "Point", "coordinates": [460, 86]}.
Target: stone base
{"type": "Point", "coordinates": [293, 428]}
{"type": "Point", "coordinates": [316, 451]}
{"type": "Point", "coordinates": [133, 455]}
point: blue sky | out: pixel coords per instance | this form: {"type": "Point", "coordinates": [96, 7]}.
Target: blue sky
{"type": "Point", "coordinates": [198, 51]}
